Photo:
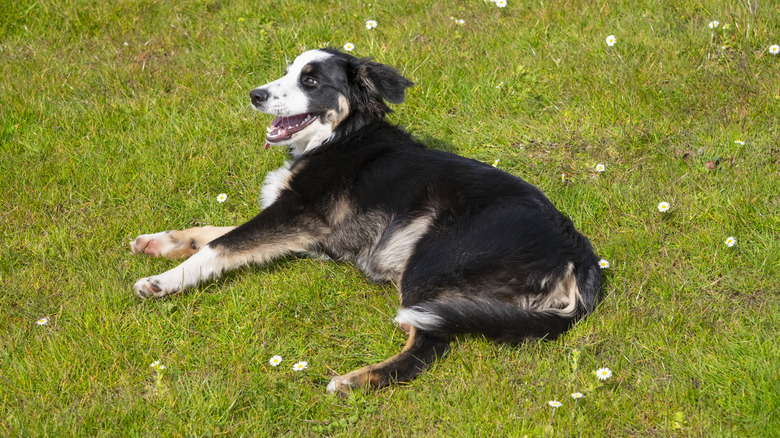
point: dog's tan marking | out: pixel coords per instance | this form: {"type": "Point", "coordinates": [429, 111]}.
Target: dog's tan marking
{"type": "Point", "coordinates": [392, 256]}
{"type": "Point", "coordinates": [368, 376]}
{"type": "Point", "coordinates": [340, 211]}
{"type": "Point", "coordinates": [335, 116]}
{"type": "Point", "coordinates": [276, 247]}
{"type": "Point", "coordinates": [176, 244]}
{"type": "Point", "coordinates": [562, 295]}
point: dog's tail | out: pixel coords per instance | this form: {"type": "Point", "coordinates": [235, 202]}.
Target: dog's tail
{"type": "Point", "coordinates": [495, 319]}
{"type": "Point", "coordinates": [502, 320]}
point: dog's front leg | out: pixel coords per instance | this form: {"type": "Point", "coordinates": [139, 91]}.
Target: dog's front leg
{"type": "Point", "coordinates": [275, 232]}
{"type": "Point", "coordinates": [203, 265]}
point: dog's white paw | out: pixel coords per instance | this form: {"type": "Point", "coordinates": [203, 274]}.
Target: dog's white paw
{"type": "Point", "coordinates": [341, 385]}
{"type": "Point", "coordinates": [154, 287]}
{"type": "Point", "coordinates": [154, 245]}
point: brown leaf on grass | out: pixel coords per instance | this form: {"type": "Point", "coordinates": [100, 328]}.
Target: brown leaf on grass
{"type": "Point", "coordinates": [710, 165]}
{"type": "Point", "coordinates": [684, 155]}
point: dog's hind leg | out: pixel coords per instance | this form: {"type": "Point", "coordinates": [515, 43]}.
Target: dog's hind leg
{"type": "Point", "coordinates": [421, 350]}
{"type": "Point", "coordinates": [176, 244]}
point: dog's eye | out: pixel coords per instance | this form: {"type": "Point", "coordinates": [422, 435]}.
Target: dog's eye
{"type": "Point", "coordinates": [310, 81]}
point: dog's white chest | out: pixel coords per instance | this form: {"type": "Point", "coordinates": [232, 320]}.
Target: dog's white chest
{"type": "Point", "coordinates": [275, 181]}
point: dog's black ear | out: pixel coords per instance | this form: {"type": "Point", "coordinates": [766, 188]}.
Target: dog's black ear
{"type": "Point", "coordinates": [377, 82]}
{"type": "Point", "coordinates": [390, 84]}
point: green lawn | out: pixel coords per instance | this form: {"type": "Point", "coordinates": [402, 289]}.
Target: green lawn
{"type": "Point", "coordinates": [125, 117]}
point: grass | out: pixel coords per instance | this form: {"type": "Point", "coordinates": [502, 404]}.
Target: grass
{"type": "Point", "coordinates": [121, 118]}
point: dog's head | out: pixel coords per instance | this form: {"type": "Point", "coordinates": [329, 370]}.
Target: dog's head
{"type": "Point", "coordinates": [325, 94]}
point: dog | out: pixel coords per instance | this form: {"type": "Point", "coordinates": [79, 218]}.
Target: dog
{"type": "Point", "coordinates": [471, 249]}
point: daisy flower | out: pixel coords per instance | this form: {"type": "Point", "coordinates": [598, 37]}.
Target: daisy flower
{"type": "Point", "coordinates": [603, 373]}
{"type": "Point", "coordinates": [500, 84]}
{"type": "Point", "coordinates": [221, 198]}
{"type": "Point", "coordinates": [730, 241]}
{"type": "Point", "coordinates": [495, 163]}
{"type": "Point", "coordinates": [611, 40]}
{"type": "Point", "coordinates": [576, 395]}
{"type": "Point", "coordinates": [500, 3]}
{"type": "Point", "coordinates": [349, 47]}
{"type": "Point", "coordinates": [555, 403]}
{"type": "Point", "coordinates": [714, 23]}
{"type": "Point", "coordinates": [774, 49]}
{"type": "Point", "coordinates": [739, 142]}
{"type": "Point", "coordinates": [370, 24]}
{"type": "Point", "coordinates": [603, 264]}
{"type": "Point", "coordinates": [276, 360]}
{"type": "Point", "coordinates": [300, 366]}
{"type": "Point", "coordinates": [663, 207]}
{"type": "Point", "coordinates": [460, 21]}
{"type": "Point", "coordinates": [42, 321]}
{"type": "Point", "coordinates": [600, 168]}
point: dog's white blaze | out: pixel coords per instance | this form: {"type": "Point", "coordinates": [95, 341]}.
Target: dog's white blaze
{"type": "Point", "coordinates": [275, 181]}
{"type": "Point", "coordinates": [287, 97]}
{"type": "Point", "coordinates": [419, 319]}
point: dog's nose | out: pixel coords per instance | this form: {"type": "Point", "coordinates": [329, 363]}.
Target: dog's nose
{"type": "Point", "coordinates": [258, 96]}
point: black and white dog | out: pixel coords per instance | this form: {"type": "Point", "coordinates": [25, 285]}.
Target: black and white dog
{"type": "Point", "coordinates": [471, 249]}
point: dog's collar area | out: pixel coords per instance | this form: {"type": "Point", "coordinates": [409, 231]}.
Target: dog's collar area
{"type": "Point", "coordinates": [283, 128]}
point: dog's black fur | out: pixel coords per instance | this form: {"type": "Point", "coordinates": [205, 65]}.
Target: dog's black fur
{"type": "Point", "coordinates": [472, 249]}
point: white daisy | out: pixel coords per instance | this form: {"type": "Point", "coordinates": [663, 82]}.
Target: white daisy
{"type": "Point", "coordinates": [300, 366]}
{"type": "Point", "coordinates": [42, 321]}
{"type": "Point", "coordinates": [774, 49]}
{"type": "Point", "coordinates": [611, 40]}
{"type": "Point", "coordinates": [603, 264]}
{"type": "Point", "coordinates": [495, 163]}
{"type": "Point", "coordinates": [221, 198]}
{"type": "Point", "coordinates": [349, 47]}
{"type": "Point", "coordinates": [739, 142]}
{"type": "Point", "coordinates": [576, 395]}
{"type": "Point", "coordinates": [603, 373]}
{"type": "Point", "coordinates": [555, 403]}
{"type": "Point", "coordinates": [663, 207]}
{"type": "Point", "coordinates": [371, 24]}
{"type": "Point", "coordinates": [500, 3]}
{"type": "Point", "coordinates": [600, 168]}
{"type": "Point", "coordinates": [730, 242]}
{"type": "Point", "coordinates": [714, 23]}
{"type": "Point", "coordinates": [275, 361]}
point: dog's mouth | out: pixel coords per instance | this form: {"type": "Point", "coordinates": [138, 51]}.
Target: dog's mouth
{"type": "Point", "coordinates": [283, 128]}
